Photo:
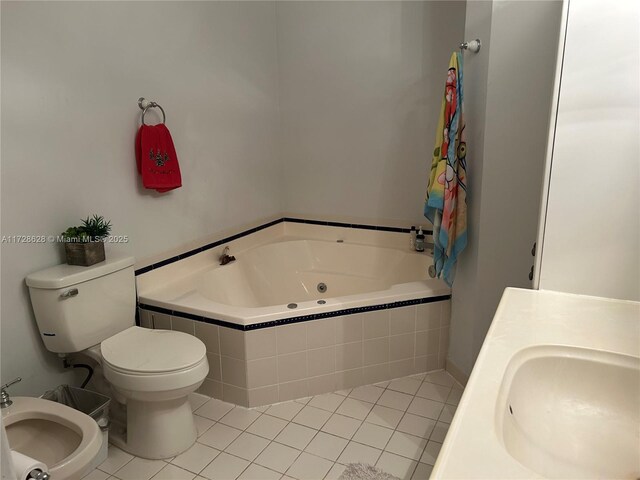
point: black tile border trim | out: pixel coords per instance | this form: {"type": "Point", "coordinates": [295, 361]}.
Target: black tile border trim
{"type": "Point", "coordinates": [217, 243]}
{"type": "Point", "coordinates": [287, 321]}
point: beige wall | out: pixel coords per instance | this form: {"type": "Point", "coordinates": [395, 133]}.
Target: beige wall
{"type": "Point", "coordinates": [509, 90]}
{"type": "Point", "coordinates": [361, 85]}
{"type": "Point", "coordinates": [72, 73]}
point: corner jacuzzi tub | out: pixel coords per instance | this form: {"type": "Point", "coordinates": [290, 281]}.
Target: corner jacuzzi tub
{"type": "Point", "coordinates": [325, 307]}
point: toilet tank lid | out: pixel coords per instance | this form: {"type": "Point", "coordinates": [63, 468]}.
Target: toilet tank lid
{"type": "Point", "coordinates": [64, 275]}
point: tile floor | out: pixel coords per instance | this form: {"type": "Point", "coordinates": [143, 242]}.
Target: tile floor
{"type": "Point", "coordinates": [398, 426]}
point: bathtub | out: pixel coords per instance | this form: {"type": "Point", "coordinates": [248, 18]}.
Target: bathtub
{"type": "Point", "coordinates": [307, 291]}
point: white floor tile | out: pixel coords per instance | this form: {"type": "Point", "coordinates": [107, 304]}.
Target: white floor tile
{"type": "Point", "coordinates": [219, 436]}
{"type": "Point", "coordinates": [309, 467]}
{"type": "Point", "coordinates": [335, 472]}
{"type": "Point", "coordinates": [256, 472]}
{"type": "Point", "coordinates": [240, 418]}
{"type": "Point", "coordinates": [419, 376]}
{"type": "Point", "coordinates": [277, 457]}
{"type": "Point", "coordinates": [303, 401]}
{"type": "Point", "coordinates": [96, 475]}
{"type": "Point", "coordinates": [326, 446]}
{"type": "Point", "coordinates": [312, 417]}
{"type": "Point", "coordinates": [431, 453]}
{"type": "Point", "coordinates": [116, 459]}
{"type": "Point", "coordinates": [439, 432]}
{"type": "Point", "coordinates": [140, 469]}
{"type": "Point", "coordinates": [384, 416]}
{"type": "Point", "coordinates": [448, 411]}
{"type": "Point", "coordinates": [196, 458]}
{"type": "Point", "coordinates": [432, 391]}
{"type": "Point", "coordinates": [197, 400]}
{"type": "Point", "coordinates": [367, 393]}
{"type": "Point", "coordinates": [423, 472]}
{"type": "Point", "coordinates": [344, 393]}
{"type": "Point", "coordinates": [358, 453]}
{"type": "Point", "coordinates": [171, 472]}
{"type": "Point", "coordinates": [341, 426]}
{"type": "Point", "coordinates": [396, 465]}
{"type": "Point", "coordinates": [406, 445]}
{"type": "Point", "coordinates": [202, 424]}
{"type": "Point", "coordinates": [416, 425]}
{"type": "Point", "coordinates": [225, 467]}
{"type": "Point", "coordinates": [296, 436]}
{"type": "Point", "coordinates": [343, 438]}
{"type": "Point", "coordinates": [382, 384]}
{"type": "Point", "coordinates": [405, 385]}
{"type": "Point", "coordinates": [440, 377]}
{"type": "Point", "coordinates": [425, 408]}
{"type": "Point", "coordinates": [267, 426]}
{"type": "Point", "coordinates": [247, 446]}
{"type": "Point", "coordinates": [454, 396]}
{"type": "Point", "coordinates": [355, 408]}
{"type": "Point", "coordinates": [214, 409]}
{"type": "Point", "coordinates": [328, 401]}
{"type": "Point", "coordinates": [286, 410]}
{"type": "Point", "coordinates": [373, 435]}
{"type": "Point", "coordinates": [393, 399]}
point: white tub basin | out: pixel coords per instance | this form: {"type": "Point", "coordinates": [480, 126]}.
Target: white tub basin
{"type": "Point", "coordinates": [572, 412]}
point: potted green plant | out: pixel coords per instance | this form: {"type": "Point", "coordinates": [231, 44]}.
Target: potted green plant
{"type": "Point", "coordinates": [84, 245]}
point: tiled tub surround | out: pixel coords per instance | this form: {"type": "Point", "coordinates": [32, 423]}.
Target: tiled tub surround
{"type": "Point", "coordinates": [276, 364]}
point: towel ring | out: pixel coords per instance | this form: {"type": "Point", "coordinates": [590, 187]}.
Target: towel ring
{"type": "Point", "coordinates": [145, 105]}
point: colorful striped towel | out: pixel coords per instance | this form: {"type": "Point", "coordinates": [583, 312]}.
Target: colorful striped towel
{"type": "Point", "coordinates": [446, 204]}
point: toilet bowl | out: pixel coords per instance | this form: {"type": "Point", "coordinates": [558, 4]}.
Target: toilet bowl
{"type": "Point", "coordinates": [152, 373]}
{"type": "Point", "coordinates": [149, 373]}
{"type": "Point", "coordinates": [64, 439]}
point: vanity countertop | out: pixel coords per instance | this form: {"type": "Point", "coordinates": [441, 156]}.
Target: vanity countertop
{"type": "Point", "coordinates": [474, 446]}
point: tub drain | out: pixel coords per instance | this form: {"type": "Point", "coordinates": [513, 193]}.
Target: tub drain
{"type": "Point", "coordinates": [292, 305]}
{"type": "Point", "coordinates": [321, 302]}
{"type": "Point", "coordinates": [322, 287]}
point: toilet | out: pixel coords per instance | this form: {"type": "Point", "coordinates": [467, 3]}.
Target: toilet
{"type": "Point", "coordinates": [91, 311]}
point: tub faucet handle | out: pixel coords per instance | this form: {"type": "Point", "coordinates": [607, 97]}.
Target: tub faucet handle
{"type": "Point", "coordinates": [5, 400]}
{"type": "Point", "coordinates": [225, 257]}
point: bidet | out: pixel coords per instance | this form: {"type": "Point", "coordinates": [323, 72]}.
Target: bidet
{"type": "Point", "coordinates": [64, 439]}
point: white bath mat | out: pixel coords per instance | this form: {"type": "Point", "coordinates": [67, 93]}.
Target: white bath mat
{"type": "Point", "coordinates": [362, 471]}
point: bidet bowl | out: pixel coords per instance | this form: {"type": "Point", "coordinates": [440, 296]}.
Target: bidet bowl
{"type": "Point", "coordinates": [567, 412]}
{"type": "Point", "coordinates": [64, 439]}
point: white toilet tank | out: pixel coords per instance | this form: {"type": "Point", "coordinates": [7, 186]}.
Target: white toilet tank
{"type": "Point", "coordinates": [79, 307]}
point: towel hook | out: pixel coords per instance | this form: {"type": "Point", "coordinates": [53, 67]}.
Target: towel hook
{"type": "Point", "coordinates": [473, 46]}
{"type": "Point", "coordinates": [145, 105]}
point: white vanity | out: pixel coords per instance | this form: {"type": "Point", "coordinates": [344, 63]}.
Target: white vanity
{"type": "Point", "coordinates": [555, 392]}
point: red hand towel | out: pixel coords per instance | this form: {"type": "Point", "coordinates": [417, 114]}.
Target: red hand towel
{"type": "Point", "coordinates": [157, 159]}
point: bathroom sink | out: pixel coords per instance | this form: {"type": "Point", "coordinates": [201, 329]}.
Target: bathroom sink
{"type": "Point", "coordinates": [568, 412]}
{"type": "Point", "coordinates": [62, 438]}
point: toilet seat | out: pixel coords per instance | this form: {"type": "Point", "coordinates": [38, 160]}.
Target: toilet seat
{"type": "Point", "coordinates": [144, 360]}
{"type": "Point", "coordinates": [144, 351]}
